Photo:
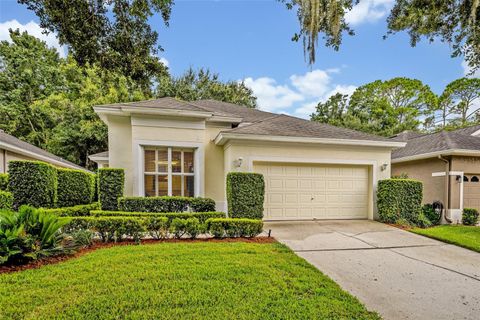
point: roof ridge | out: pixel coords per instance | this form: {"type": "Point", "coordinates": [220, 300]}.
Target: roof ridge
{"type": "Point", "coordinates": [255, 123]}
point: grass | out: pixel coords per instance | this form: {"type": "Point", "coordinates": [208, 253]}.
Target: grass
{"type": "Point", "coordinates": [463, 236]}
{"type": "Point", "coordinates": [196, 280]}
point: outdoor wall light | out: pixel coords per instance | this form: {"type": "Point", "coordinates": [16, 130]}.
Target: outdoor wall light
{"type": "Point", "coordinates": [238, 163]}
{"type": "Point", "coordinates": [384, 167]}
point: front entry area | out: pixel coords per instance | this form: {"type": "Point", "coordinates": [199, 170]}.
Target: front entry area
{"type": "Point", "coordinates": [295, 191]}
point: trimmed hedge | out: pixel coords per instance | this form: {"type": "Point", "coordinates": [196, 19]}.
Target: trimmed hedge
{"type": "Point", "coordinates": [245, 195]}
{"type": "Point", "coordinates": [32, 183]}
{"type": "Point", "coordinates": [228, 227]}
{"type": "Point", "coordinates": [3, 181]}
{"type": "Point", "coordinates": [429, 213]}
{"type": "Point", "coordinates": [165, 204]}
{"type": "Point", "coordinates": [75, 211]}
{"type": "Point", "coordinates": [75, 187]}
{"type": "Point", "coordinates": [400, 199]}
{"type": "Point", "coordinates": [110, 187]}
{"type": "Point", "coordinates": [6, 200]}
{"type": "Point", "coordinates": [470, 216]}
{"type": "Point", "coordinates": [201, 216]}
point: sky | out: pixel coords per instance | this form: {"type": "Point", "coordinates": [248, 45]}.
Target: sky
{"type": "Point", "coordinates": [250, 41]}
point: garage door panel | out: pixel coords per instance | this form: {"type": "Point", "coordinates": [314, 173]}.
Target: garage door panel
{"type": "Point", "coordinates": [296, 191]}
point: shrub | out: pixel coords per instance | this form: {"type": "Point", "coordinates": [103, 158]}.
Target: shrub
{"type": "Point", "coordinates": [245, 195]}
{"type": "Point", "coordinates": [75, 211]}
{"type": "Point", "coordinates": [33, 183]}
{"type": "Point", "coordinates": [75, 187]}
{"type": "Point", "coordinates": [221, 227]}
{"type": "Point", "coordinates": [191, 227]}
{"type": "Point", "coordinates": [422, 221]}
{"type": "Point", "coordinates": [157, 226]}
{"type": "Point", "coordinates": [433, 216]}
{"type": "Point", "coordinates": [470, 217]}
{"type": "Point", "coordinates": [201, 216]}
{"type": "Point", "coordinates": [3, 181]}
{"type": "Point", "coordinates": [110, 187]}
{"type": "Point", "coordinates": [6, 200]}
{"type": "Point", "coordinates": [399, 198]}
{"type": "Point", "coordinates": [165, 204]}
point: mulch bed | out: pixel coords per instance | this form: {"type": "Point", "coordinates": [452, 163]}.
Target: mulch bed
{"type": "Point", "coordinates": [101, 245]}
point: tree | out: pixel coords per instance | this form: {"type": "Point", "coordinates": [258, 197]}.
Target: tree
{"type": "Point", "coordinates": [454, 22]}
{"type": "Point", "coordinates": [114, 34]}
{"type": "Point", "coordinates": [464, 99]}
{"type": "Point", "coordinates": [331, 111]}
{"type": "Point", "coordinates": [203, 84]}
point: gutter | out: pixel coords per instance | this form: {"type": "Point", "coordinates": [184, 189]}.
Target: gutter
{"type": "Point", "coordinates": [447, 188]}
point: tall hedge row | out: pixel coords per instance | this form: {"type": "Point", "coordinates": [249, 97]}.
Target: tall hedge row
{"type": "Point", "coordinates": [110, 187]}
{"type": "Point", "coordinates": [32, 183]}
{"type": "Point", "coordinates": [399, 199]}
{"type": "Point", "coordinates": [3, 181]}
{"type": "Point", "coordinates": [165, 204]}
{"type": "Point", "coordinates": [75, 187]}
{"type": "Point", "coordinates": [245, 195]}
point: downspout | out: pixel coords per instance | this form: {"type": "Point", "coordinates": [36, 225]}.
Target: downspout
{"type": "Point", "coordinates": [447, 188]}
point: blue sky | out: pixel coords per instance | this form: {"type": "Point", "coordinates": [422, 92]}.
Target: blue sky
{"type": "Point", "coordinates": [250, 41]}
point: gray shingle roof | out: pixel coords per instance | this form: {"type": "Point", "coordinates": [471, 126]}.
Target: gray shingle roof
{"type": "Point", "coordinates": [103, 154]}
{"type": "Point", "coordinates": [247, 114]}
{"type": "Point", "coordinates": [406, 135]}
{"type": "Point", "coordinates": [11, 140]}
{"type": "Point", "coordinates": [283, 125]}
{"type": "Point", "coordinates": [162, 103]}
{"type": "Point", "coordinates": [460, 139]}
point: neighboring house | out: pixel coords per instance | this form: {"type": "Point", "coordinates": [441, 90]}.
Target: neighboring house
{"type": "Point", "coordinates": [312, 170]}
{"type": "Point", "coordinates": [12, 148]}
{"type": "Point", "coordinates": [101, 159]}
{"type": "Point", "coordinates": [448, 164]}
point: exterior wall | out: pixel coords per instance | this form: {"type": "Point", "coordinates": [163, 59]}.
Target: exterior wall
{"type": "Point", "coordinates": [433, 187]}
{"type": "Point", "coordinates": [252, 152]}
{"type": "Point", "coordinates": [6, 156]}
{"type": "Point", "coordinates": [467, 165]}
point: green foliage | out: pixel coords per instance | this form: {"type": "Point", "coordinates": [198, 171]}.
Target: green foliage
{"type": "Point", "coordinates": [110, 187]}
{"type": "Point", "coordinates": [400, 199]}
{"type": "Point", "coordinates": [228, 227]}
{"type": "Point", "coordinates": [190, 227]}
{"type": "Point", "coordinates": [157, 226]}
{"type": "Point", "coordinates": [165, 204]}
{"type": "Point", "coordinates": [245, 195]}
{"type": "Point", "coordinates": [203, 84]}
{"type": "Point", "coordinates": [3, 181]}
{"type": "Point", "coordinates": [433, 216]}
{"type": "Point", "coordinates": [470, 216]}
{"type": "Point", "coordinates": [331, 111]}
{"type": "Point", "coordinates": [75, 211]}
{"type": "Point", "coordinates": [457, 102]}
{"type": "Point", "coordinates": [30, 234]}
{"type": "Point", "coordinates": [75, 187]}
{"type": "Point", "coordinates": [33, 183]}
{"type": "Point", "coordinates": [6, 200]}
{"type": "Point", "coordinates": [201, 216]}
{"type": "Point", "coordinates": [463, 236]}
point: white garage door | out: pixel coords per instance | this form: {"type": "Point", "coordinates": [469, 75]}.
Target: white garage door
{"type": "Point", "coordinates": [306, 191]}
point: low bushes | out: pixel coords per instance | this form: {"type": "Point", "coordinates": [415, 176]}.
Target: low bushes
{"type": "Point", "coordinates": [245, 195]}
{"type": "Point", "coordinates": [165, 204]}
{"type": "Point", "coordinates": [3, 181]}
{"type": "Point", "coordinates": [32, 183]}
{"type": "Point", "coordinates": [227, 227]}
{"type": "Point", "coordinates": [470, 217]}
{"type": "Point", "coordinates": [6, 200]}
{"type": "Point", "coordinates": [110, 187]}
{"type": "Point", "coordinates": [400, 199]}
{"type": "Point", "coordinates": [75, 211]}
{"type": "Point", "coordinates": [433, 216]}
{"type": "Point", "coordinates": [75, 187]}
{"type": "Point", "coordinates": [201, 216]}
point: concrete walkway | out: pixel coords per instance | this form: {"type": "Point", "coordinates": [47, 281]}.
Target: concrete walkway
{"type": "Point", "coordinates": [394, 272]}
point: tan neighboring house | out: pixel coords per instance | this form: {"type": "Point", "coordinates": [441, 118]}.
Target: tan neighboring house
{"type": "Point", "coordinates": [12, 148]}
{"type": "Point", "coordinates": [312, 170]}
{"type": "Point", "coordinates": [448, 164]}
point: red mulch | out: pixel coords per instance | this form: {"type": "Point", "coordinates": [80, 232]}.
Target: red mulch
{"type": "Point", "coordinates": [101, 245]}
{"type": "Point", "coordinates": [400, 226]}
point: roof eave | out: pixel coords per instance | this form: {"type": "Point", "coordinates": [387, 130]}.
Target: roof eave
{"type": "Point", "coordinates": [223, 137]}
{"type": "Point", "coordinates": [450, 152]}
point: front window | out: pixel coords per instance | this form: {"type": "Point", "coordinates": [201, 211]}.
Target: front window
{"type": "Point", "coordinates": [169, 172]}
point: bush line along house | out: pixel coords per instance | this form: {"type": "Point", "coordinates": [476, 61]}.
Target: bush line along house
{"type": "Point", "coordinates": [311, 170]}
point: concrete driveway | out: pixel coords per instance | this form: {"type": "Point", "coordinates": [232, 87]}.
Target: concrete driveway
{"type": "Point", "coordinates": [394, 272]}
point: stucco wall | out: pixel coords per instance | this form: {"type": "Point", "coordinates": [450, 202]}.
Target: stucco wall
{"type": "Point", "coordinates": [6, 156]}
{"type": "Point", "coordinates": [433, 187]}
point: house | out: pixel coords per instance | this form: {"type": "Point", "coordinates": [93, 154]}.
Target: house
{"type": "Point", "coordinates": [448, 164]}
{"type": "Point", "coordinates": [312, 170]}
{"type": "Point", "coordinates": [12, 148]}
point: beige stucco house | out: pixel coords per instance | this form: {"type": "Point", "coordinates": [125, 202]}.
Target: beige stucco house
{"type": "Point", "coordinates": [312, 170]}
{"type": "Point", "coordinates": [12, 148]}
{"type": "Point", "coordinates": [448, 164]}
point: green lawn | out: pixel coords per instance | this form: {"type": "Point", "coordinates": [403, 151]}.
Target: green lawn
{"type": "Point", "coordinates": [463, 236]}
{"type": "Point", "coordinates": [199, 280]}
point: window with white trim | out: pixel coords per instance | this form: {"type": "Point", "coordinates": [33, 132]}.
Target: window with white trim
{"type": "Point", "coordinates": [169, 172]}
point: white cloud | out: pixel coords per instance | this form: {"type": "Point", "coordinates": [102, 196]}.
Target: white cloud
{"type": "Point", "coordinates": [164, 61]}
{"type": "Point", "coordinates": [300, 95]}
{"type": "Point", "coordinates": [368, 11]}
{"type": "Point", "coordinates": [467, 69]}
{"type": "Point", "coordinates": [33, 29]}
